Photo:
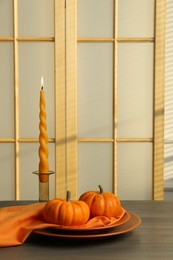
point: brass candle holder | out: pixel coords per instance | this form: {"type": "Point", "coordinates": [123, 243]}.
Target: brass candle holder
{"type": "Point", "coordinates": [43, 186]}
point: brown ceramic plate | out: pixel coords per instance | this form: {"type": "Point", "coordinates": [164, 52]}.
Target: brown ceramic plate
{"type": "Point", "coordinates": [133, 222]}
{"type": "Point", "coordinates": [123, 220]}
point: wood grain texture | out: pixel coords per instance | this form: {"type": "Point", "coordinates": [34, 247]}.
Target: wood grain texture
{"type": "Point", "coordinates": [71, 96]}
{"type": "Point", "coordinates": [115, 102]}
{"type": "Point", "coordinates": [135, 40]}
{"type": "Point", "coordinates": [16, 99]}
{"type": "Point", "coordinates": [35, 39]}
{"type": "Point", "coordinates": [6, 39]}
{"type": "Point", "coordinates": [115, 39]}
{"type": "Point", "coordinates": [158, 183]}
{"type": "Point", "coordinates": [60, 139]}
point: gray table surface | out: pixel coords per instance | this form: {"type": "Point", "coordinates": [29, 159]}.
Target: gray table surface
{"type": "Point", "coordinates": [153, 239]}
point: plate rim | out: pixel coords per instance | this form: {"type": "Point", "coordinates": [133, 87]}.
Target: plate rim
{"type": "Point", "coordinates": [111, 232]}
{"type": "Point", "coordinates": [116, 224]}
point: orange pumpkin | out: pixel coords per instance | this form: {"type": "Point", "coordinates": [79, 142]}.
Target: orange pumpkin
{"type": "Point", "coordinates": [66, 212]}
{"type": "Point", "coordinates": [101, 203]}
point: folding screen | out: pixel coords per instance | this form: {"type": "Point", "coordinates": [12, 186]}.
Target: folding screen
{"type": "Point", "coordinates": [117, 137]}
{"type": "Point", "coordinates": [27, 53]}
{"type": "Point", "coordinates": [103, 64]}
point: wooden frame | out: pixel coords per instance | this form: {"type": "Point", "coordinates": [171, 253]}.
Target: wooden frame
{"type": "Point", "coordinates": [66, 87]}
{"type": "Point", "coordinates": [71, 96]}
{"type": "Point", "coordinates": [158, 107]}
{"type": "Point", "coordinates": [60, 167]}
{"type": "Point", "coordinates": [16, 99]}
{"type": "Point", "coordinates": [158, 131]}
{"type": "Point", "coordinates": [17, 140]}
{"type": "Point", "coordinates": [66, 92]}
{"type": "Point", "coordinates": [115, 97]}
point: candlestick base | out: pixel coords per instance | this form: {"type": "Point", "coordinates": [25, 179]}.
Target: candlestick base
{"type": "Point", "coordinates": [43, 186]}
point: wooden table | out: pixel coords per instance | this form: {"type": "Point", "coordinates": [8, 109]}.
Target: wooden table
{"type": "Point", "coordinates": [153, 239]}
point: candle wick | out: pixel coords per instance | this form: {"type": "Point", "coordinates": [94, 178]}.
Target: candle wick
{"type": "Point", "coordinates": [42, 88]}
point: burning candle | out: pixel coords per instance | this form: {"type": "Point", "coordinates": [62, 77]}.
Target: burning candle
{"type": "Point", "coordinates": [43, 138]}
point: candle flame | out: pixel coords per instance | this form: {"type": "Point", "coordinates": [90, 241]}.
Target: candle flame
{"type": "Point", "coordinates": [42, 82]}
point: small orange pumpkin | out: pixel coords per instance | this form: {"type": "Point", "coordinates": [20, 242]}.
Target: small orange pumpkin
{"type": "Point", "coordinates": [101, 203]}
{"type": "Point", "coordinates": [66, 212]}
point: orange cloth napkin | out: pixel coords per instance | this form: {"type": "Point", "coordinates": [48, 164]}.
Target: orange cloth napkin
{"type": "Point", "coordinates": [17, 222]}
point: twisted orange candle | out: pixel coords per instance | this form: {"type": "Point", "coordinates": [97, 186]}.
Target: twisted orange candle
{"type": "Point", "coordinates": [43, 139]}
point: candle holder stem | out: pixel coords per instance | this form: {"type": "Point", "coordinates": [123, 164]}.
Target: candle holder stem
{"type": "Point", "coordinates": [43, 185]}
{"type": "Point", "coordinates": [43, 191]}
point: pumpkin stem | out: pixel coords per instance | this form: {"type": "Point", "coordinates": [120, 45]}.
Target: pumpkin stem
{"type": "Point", "coordinates": [68, 195]}
{"type": "Point", "coordinates": [101, 189]}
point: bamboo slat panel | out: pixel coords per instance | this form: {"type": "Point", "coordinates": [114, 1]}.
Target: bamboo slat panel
{"type": "Point", "coordinates": [71, 96]}
{"type": "Point", "coordinates": [35, 39]}
{"type": "Point", "coordinates": [7, 140]}
{"type": "Point", "coordinates": [115, 99]}
{"type": "Point", "coordinates": [158, 183]}
{"type": "Point", "coordinates": [60, 161]}
{"type": "Point", "coordinates": [6, 39]}
{"type": "Point", "coordinates": [16, 100]}
{"type": "Point", "coordinates": [150, 39]}
{"type": "Point", "coordinates": [134, 140]}
{"type": "Point", "coordinates": [95, 40]}
{"type": "Point", "coordinates": [95, 140]}
{"type": "Point", "coordinates": [27, 39]}
{"type": "Point", "coordinates": [135, 39]}
{"type": "Point", "coordinates": [34, 140]}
